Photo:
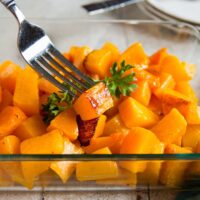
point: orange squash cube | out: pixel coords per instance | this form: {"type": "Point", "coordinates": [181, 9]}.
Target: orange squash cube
{"type": "Point", "coordinates": [11, 145]}
{"type": "Point", "coordinates": [51, 143]}
{"type": "Point", "coordinates": [179, 70]}
{"type": "Point", "coordinates": [94, 102]}
{"type": "Point", "coordinates": [157, 57]}
{"type": "Point", "coordinates": [31, 127]}
{"type": "Point", "coordinates": [99, 143]}
{"type": "Point", "coordinates": [99, 62]}
{"type": "Point", "coordinates": [134, 55]}
{"type": "Point", "coordinates": [137, 141]}
{"type": "Point", "coordinates": [7, 99]}
{"type": "Point", "coordinates": [8, 75]}
{"type": "Point", "coordinates": [173, 172]}
{"type": "Point", "coordinates": [64, 169]}
{"type": "Point", "coordinates": [10, 118]}
{"type": "Point", "coordinates": [135, 114]}
{"type": "Point", "coordinates": [185, 88]}
{"type": "Point", "coordinates": [142, 93]}
{"type": "Point", "coordinates": [46, 86]}
{"type": "Point", "coordinates": [78, 54]}
{"type": "Point", "coordinates": [65, 122]}
{"type": "Point", "coordinates": [26, 95]}
{"type": "Point", "coordinates": [97, 170]}
{"type": "Point", "coordinates": [113, 49]}
{"type": "Point", "coordinates": [191, 137]}
{"type": "Point", "coordinates": [114, 125]}
{"type": "Point", "coordinates": [170, 127]}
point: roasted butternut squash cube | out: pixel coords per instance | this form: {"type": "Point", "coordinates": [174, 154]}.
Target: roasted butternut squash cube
{"type": "Point", "coordinates": [31, 127]}
{"type": "Point", "coordinates": [170, 127]}
{"type": "Point", "coordinates": [124, 178]}
{"type": "Point", "coordinates": [191, 112]}
{"type": "Point", "coordinates": [11, 145]}
{"type": "Point", "coordinates": [142, 93]}
{"type": "Point", "coordinates": [113, 49]}
{"type": "Point", "coordinates": [99, 62]}
{"type": "Point", "coordinates": [7, 99]}
{"type": "Point", "coordinates": [10, 118]}
{"type": "Point", "coordinates": [65, 122]}
{"type": "Point", "coordinates": [179, 70]}
{"type": "Point", "coordinates": [191, 137]}
{"type": "Point", "coordinates": [8, 75]}
{"type": "Point", "coordinates": [186, 89]}
{"type": "Point", "coordinates": [78, 54]}
{"type": "Point", "coordinates": [46, 86]}
{"type": "Point", "coordinates": [134, 114]}
{"type": "Point", "coordinates": [26, 94]}
{"type": "Point", "coordinates": [151, 174]}
{"type": "Point", "coordinates": [166, 82]}
{"type": "Point", "coordinates": [173, 172]}
{"type": "Point", "coordinates": [94, 102]}
{"type": "Point", "coordinates": [156, 59]}
{"type": "Point", "coordinates": [97, 170]}
{"type": "Point", "coordinates": [137, 141]}
{"type": "Point", "coordinates": [64, 169]}
{"type": "Point", "coordinates": [134, 55]}
{"type": "Point", "coordinates": [51, 143]}
{"type": "Point", "coordinates": [114, 125]}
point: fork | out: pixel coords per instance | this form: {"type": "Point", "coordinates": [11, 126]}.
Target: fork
{"type": "Point", "coordinates": [40, 53]}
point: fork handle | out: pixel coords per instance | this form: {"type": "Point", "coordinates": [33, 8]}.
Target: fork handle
{"type": "Point", "coordinates": [13, 8]}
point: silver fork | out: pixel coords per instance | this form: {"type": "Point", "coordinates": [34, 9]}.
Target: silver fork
{"type": "Point", "coordinates": [40, 53]}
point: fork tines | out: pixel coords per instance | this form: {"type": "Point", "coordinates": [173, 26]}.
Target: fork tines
{"type": "Point", "coordinates": [54, 64]}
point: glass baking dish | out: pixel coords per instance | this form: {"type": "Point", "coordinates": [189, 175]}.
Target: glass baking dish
{"type": "Point", "coordinates": [181, 39]}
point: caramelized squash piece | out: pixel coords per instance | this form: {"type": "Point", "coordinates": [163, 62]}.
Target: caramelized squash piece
{"type": "Point", "coordinates": [97, 170]}
{"type": "Point", "coordinates": [31, 127]}
{"type": "Point", "coordinates": [8, 75]}
{"type": "Point", "coordinates": [64, 169]}
{"type": "Point", "coordinates": [26, 95]}
{"type": "Point", "coordinates": [137, 141]}
{"type": "Point", "coordinates": [10, 118]}
{"type": "Point", "coordinates": [114, 125]}
{"type": "Point", "coordinates": [170, 127]}
{"type": "Point", "coordinates": [51, 143]}
{"type": "Point", "coordinates": [142, 93]}
{"type": "Point", "coordinates": [179, 70]}
{"type": "Point", "coordinates": [65, 122]}
{"type": "Point", "coordinates": [94, 102]}
{"type": "Point", "coordinates": [99, 62]}
{"type": "Point", "coordinates": [173, 172]}
{"type": "Point", "coordinates": [134, 55]}
{"type": "Point", "coordinates": [135, 114]}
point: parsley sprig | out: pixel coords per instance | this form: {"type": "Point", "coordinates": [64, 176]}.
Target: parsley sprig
{"type": "Point", "coordinates": [118, 83]}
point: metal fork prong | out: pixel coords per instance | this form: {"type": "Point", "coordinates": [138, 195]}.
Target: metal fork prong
{"type": "Point", "coordinates": [58, 66]}
{"type": "Point", "coordinates": [48, 66]}
{"type": "Point", "coordinates": [50, 78]}
{"type": "Point", "coordinates": [68, 64]}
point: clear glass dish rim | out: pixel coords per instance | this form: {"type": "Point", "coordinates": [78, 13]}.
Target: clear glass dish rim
{"type": "Point", "coordinates": [103, 157]}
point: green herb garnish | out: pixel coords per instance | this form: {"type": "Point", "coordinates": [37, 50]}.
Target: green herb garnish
{"type": "Point", "coordinates": [117, 83]}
